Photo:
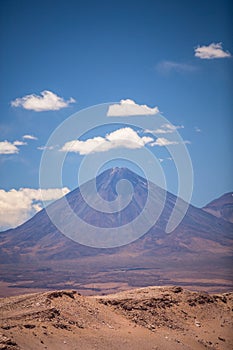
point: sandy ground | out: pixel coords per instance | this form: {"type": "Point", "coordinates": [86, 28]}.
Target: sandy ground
{"type": "Point", "coordinates": [148, 318]}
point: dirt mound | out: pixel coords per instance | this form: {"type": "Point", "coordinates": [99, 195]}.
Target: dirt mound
{"type": "Point", "coordinates": [148, 318]}
{"type": "Point", "coordinates": [205, 317]}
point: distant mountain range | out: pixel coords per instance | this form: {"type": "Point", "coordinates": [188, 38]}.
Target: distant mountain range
{"type": "Point", "coordinates": [198, 253]}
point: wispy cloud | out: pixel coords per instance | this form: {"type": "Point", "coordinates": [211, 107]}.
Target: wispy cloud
{"type": "Point", "coordinates": [165, 159]}
{"type": "Point", "coordinates": [161, 142]}
{"type": "Point", "coordinates": [46, 101]}
{"type": "Point", "coordinates": [211, 51]}
{"type": "Point", "coordinates": [19, 143]}
{"type": "Point", "coordinates": [29, 137]}
{"type": "Point", "coordinates": [121, 138]}
{"type": "Point", "coordinates": [42, 148]}
{"type": "Point", "coordinates": [130, 108]}
{"type": "Point", "coordinates": [165, 129]}
{"type": "Point", "coordinates": [7, 147]}
{"type": "Point", "coordinates": [197, 129]}
{"type": "Point", "coordinates": [16, 206]}
{"type": "Point", "coordinates": [172, 66]}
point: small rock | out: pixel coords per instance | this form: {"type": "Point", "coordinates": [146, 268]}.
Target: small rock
{"type": "Point", "coordinates": [222, 339]}
{"type": "Point", "coordinates": [29, 326]}
{"type": "Point", "coordinates": [197, 323]}
{"type": "Point", "coordinates": [177, 289]}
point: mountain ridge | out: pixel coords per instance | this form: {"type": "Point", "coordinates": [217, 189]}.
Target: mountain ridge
{"type": "Point", "coordinates": [221, 207]}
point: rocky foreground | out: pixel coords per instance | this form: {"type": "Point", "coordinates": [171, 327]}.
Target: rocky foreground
{"type": "Point", "coordinates": [147, 318]}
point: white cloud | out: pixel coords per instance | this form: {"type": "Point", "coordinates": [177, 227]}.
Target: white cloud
{"type": "Point", "coordinates": [17, 206]}
{"type": "Point", "coordinates": [164, 159]}
{"type": "Point", "coordinates": [197, 129]}
{"type": "Point", "coordinates": [37, 207]}
{"type": "Point", "coordinates": [125, 138]}
{"type": "Point", "coordinates": [42, 148]}
{"type": "Point", "coordinates": [169, 66]}
{"type": "Point", "coordinates": [211, 51]}
{"type": "Point", "coordinates": [48, 101]}
{"type": "Point", "coordinates": [161, 141]}
{"type": "Point", "coordinates": [29, 137]}
{"type": "Point", "coordinates": [7, 147]}
{"type": "Point", "coordinates": [19, 143]}
{"type": "Point", "coordinates": [129, 108]}
{"type": "Point", "coordinates": [165, 129]}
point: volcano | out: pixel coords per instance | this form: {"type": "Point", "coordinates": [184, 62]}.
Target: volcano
{"type": "Point", "coordinates": [197, 254]}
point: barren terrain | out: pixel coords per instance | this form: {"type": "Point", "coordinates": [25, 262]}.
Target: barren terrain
{"type": "Point", "coordinates": [146, 318]}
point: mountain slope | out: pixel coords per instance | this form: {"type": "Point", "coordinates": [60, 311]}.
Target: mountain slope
{"type": "Point", "coordinates": [222, 207]}
{"type": "Point", "coordinates": [198, 252]}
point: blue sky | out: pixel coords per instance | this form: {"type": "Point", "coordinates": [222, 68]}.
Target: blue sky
{"type": "Point", "coordinates": [92, 52]}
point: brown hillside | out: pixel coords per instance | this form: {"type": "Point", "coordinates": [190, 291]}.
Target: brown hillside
{"type": "Point", "coordinates": [159, 318]}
